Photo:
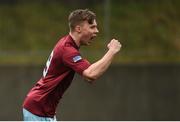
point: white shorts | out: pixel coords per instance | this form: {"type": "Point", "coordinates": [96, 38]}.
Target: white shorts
{"type": "Point", "coordinates": [28, 116]}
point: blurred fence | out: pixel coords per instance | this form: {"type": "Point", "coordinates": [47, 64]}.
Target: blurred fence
{"type": "Point", "coordinates": [124, 92]}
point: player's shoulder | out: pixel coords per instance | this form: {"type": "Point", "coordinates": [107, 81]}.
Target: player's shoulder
{"type": "Point", "coordinates": [65, 45]}
{"type": "Point", "coordinates": [69, 49]}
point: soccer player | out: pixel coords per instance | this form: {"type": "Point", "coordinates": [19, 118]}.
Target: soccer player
{"type": "Point", "coordinates": [64, 60]}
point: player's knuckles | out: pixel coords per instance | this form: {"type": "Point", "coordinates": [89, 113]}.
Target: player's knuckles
{"type": "Point", "coordinates": [114, 40]}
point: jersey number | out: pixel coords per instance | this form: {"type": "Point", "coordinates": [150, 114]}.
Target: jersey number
{"type": "Point", "coordinates": [47, 64]}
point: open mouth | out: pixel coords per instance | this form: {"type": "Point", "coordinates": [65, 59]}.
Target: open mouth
{"type": "Point", "coordinates": [92, 37]}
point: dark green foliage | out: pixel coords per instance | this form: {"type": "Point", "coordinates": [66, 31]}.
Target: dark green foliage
{"type": "Point", "coordinates": [149, 30]}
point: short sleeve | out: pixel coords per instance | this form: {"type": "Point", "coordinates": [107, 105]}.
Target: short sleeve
{"type": "Point", "coordinates": [73, 59]}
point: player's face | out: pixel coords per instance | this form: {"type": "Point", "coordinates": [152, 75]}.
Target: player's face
{"type": "Point", "coordinates": [88, 32]}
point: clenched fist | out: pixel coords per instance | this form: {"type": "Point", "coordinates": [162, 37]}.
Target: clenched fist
{"type": "Point", "coordinates": [114, 46]}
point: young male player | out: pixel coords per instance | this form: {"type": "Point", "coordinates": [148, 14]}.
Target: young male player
{"type": "Point", "coordinates": [64, 60]}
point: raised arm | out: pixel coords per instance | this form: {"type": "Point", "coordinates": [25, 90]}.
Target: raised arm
{"type": "Point", "coordinates": [98, 68]}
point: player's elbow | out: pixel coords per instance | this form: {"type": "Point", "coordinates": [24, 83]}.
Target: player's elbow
{"type": "Point", "coordinates": [89, 76]}
{"type": "Point", "coordinates": [90, 79]}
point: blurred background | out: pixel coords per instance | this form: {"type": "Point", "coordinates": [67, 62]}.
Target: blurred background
{"type": "Point", "coordinates": [143, 83]}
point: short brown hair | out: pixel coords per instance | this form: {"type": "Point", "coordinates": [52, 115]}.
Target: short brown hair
{"type": "Point", "coordinates": [80, 15]}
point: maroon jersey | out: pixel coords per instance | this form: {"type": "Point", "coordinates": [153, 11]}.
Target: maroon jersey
{"type": "Point", "coordinates": [61, 66]}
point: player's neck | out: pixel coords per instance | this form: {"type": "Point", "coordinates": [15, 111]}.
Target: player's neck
{"type": "Point", "coordinates": [75, 38]}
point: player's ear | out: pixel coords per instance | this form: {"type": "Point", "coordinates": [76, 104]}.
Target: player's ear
{"type": "Point", "coordinates": [78, 28]}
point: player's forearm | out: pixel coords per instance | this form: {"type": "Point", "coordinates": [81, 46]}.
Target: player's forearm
{"type": "Point", "coordinates": [98, 68]}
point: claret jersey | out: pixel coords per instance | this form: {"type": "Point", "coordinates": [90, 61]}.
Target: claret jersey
{"type": "Point", "coordinates": [57, 75]}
